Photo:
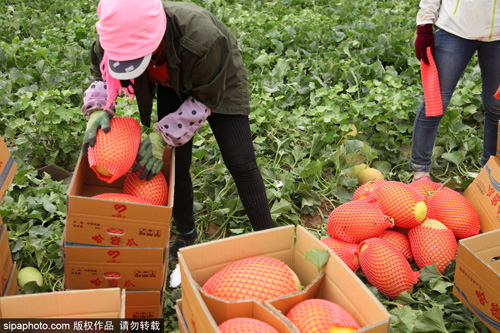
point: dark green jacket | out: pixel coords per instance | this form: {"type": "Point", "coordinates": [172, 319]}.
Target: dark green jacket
{"type": "Point", "coordinates": [203, 61]}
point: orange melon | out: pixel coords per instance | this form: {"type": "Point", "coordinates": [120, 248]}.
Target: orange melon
{"type": "Point", "coordinates": [154, 190]}
{"type": "Point", "coordinates": [320, 315]}
{"type": "Point", "coordinates": [344, 250]}
{"type": "Point", "coordinates": [246, 325]}
{"type": "Point", "coordinates": [115, 151]}
{"type": "Point", "coordinates": [454, 211]}
{"type": "Point", "coordinates": [385, 267]}
{"type": "Point", "coordinates": [400, 241]}
{"type": "Point", "coordinates": [432, 242]}
{"type": "Point", "coordinates": [366, 189]}
{"type": "Point", "coordinates": [403, 203]}
{"type": "Point", "coordinates": [357, 220]}
{"type": "Point", "coordinates": [425, 186]}
{"type": "Point", "coordinates": [260, 278]}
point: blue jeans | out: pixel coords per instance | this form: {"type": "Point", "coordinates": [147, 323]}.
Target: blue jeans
{"type": "Point", "coordinates": [452, 54]}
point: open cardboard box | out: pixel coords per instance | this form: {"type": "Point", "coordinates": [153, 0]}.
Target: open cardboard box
{"type": "Point", "coordinates": [7, 168]}
{"type": "Point", "coordinates": [484, 192]}
{"type": "Point", "coordinates": [81, 304]}
{"type": "Point", "coordinates": [477, 277]}
{"type": "Point", "coordinates": [113, 223]}
{"type": "Point", "coordinates": [87, 267]}
{"type": "Point", "coordinates": [289, 244]}
{"type": "Point", "coordinates": [144, 304]}
{"type": "Point", "coordinates": [5, 257]}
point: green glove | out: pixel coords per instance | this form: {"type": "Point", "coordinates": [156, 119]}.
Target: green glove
{"type": "Point", "coordinates": [150, 156]}
{"type": "Point", "coordinates": [98, 119]}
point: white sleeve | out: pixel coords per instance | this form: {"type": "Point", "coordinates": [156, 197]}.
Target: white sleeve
{"type": "Point", "coordinates": [428, 11]}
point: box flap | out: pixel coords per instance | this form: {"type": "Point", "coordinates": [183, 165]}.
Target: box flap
{"type": "Point", "coordinates": [92, 303]}
{"type": "Point", "coordinates": [7, 168]}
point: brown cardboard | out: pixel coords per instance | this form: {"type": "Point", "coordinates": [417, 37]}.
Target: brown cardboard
{"type": "Point", "coordinates": [5, 258]}
{"type": "Point", "coordinates": [87, 267]}
{"type": "Point", "coordinates": [484, 194]}
{"type": "Point", "coordinates": [82, 304]}
{"type": "Point", "coordinates": [144, 304]}
{"type": "Point", "coordinates": [477, 277]}
{"type": "Point", "coordinates": [7, 168]}
{"type": "Point", "coordinates": [180, 317]}
{"type": "Point", "coordinates": [113, 223]}
{"type": "Point", "coordinates": [289, 244]}
{"type": "Point", "coordinates": [11, 288]}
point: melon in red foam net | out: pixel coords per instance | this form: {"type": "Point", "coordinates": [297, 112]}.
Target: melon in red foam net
{"type": "Point", "coordinates": [344, 250]}
{"type": "Point", "coordinates": [425, 186]}
{"type": "Point", "coordinates": [154, 190]}
{"type": "Point", "coordinates": [400, 241]}
{"type": "Point", "coordinates": [385, 267]}
{"type": "Point", "coordinates": [121, 197]}
{"type": "Point", "coordinates": [115, 151]}
{"type": "Point", "coordinates": [246, 325]}
{"type": "Point", "coordinates": [432, 242]}
{"type": "Point", "coordinates": [453, 210]}
{"type": "Point", "coordinates": [260, 278]}
{"type": "Point", "coordinates": [405, 204]}
{"type": "Point", "coordinates": [321, 315]}
{"type": "Point", "coordinates": [357, 220]}
{"type": "Point", "coordinates": [366, 189]}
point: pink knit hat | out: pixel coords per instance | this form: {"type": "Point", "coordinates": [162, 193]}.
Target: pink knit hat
{"type": "Point", "coordinates": [129, 32]}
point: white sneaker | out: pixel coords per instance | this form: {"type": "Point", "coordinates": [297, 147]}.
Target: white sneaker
{"type": "Point", "coordinates": [421, 175]}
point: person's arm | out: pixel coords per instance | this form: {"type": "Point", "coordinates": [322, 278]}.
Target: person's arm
{"type": "Point", "coordinates": [426, 17]}
{"type": "Point", "coordinates": [179, 127]}
{"type": "Point", "coordinates": [428, 12]}
{"type": "Point", "coordinates": [208, 75]}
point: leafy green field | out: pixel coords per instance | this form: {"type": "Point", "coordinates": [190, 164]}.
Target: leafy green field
{"type": "Point", "coordinates": [316, 69]}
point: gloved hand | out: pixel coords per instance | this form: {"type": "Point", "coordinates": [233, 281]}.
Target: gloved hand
{"type": "Point", "coordinates": [98, 119]}
{"type": "Point", "coordinates": [425, 39]}
{"type": "Point", "coordinates": [150, 156]}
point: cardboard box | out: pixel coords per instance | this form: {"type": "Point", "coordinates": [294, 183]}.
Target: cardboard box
{"type": "Point", "coordinates": [484, 194]}
{"type": "Point", "coordinates": [113, 223]}
{"type": "Point", "coordinates": [5, 257]}
{"type": "Point", "coordinates": [144, 304]}
{"type": "Point", "coordinates": [88, 267]}
{"type": "Point", "coordinates": [11, 287]}
{"type": "Point", "coordinates": [477, 277]}
{"type": "Point", "coordinates": [82, 304]}
{"type": "Point", "coordinates": [7, 168]}
{"type": "Point", "coordinates": [289, 244]}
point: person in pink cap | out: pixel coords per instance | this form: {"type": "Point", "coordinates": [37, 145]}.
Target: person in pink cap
{"type": "Point", "coordinates": [182, 56]}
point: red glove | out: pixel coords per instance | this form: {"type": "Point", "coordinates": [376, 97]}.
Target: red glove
{"type": "Point", "coordinates": [425, 39]}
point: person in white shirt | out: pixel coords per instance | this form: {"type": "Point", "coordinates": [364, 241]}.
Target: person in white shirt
{"type": "Point", "coordinates": [454, 30]}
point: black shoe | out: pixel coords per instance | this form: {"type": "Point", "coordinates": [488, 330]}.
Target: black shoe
{"type": "Point", "coordinates": [181, 241]}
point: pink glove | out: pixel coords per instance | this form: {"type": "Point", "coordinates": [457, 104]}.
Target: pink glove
{"type": "Point", "coordinates": [178, 127]}
{"type": "Point", "coordinates": [425, 39]}
{"type": "Point", "coordinates": [95, 98]}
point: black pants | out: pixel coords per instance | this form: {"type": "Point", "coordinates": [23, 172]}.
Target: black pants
{"type": "Point", "coordinates": [234, 138]}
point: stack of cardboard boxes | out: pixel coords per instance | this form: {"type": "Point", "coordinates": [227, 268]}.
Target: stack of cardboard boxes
{"type": "Point", "coordinates": [199, 312]}
{"type": "Point", "coordinates": [111, 244]}
{"type": "Point", "coordinates": [477, 273]}
{"type": "Point", "coordinates": [92, 303]}
{"type": "Point", "coordinates": [8, 271]}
